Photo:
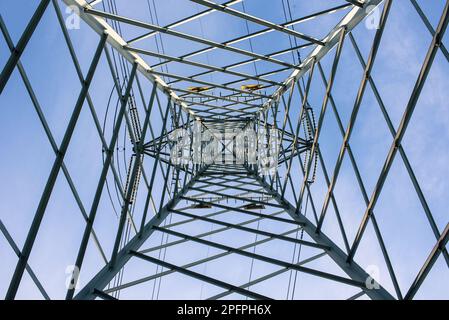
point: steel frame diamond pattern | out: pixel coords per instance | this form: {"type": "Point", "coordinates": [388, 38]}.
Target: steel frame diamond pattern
{"type": "Point", "coordinates": [197, 205]}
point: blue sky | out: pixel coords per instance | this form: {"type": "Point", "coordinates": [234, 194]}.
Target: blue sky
{"type": "Point", "coordinates": [26, 155]}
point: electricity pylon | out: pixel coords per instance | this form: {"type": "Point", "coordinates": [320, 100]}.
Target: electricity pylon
{"type": "Point", "coordinates": [261, 230]}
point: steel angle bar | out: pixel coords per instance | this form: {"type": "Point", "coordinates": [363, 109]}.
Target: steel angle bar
{"type": "Point", "coordinates": [49, 134]}
{"type": "Point", "coordinates": [40, 211]}
{"type": "Point", "coordinates": [364, 194]}
{"type": "Point", "coordinates": [16, 250]}
{"type": "Point", "coordinates": [21, 45]}
{"type": "Point", "coordinates": [108, 272]}
{"type": "Point", "coordinates": [355, 2]}
{"type": "Point", "coordinates": [200, 276]}
{"type": "Point", "coordinates": [353, 270]}
{"type": "Point", "coordinates": [357, 104]}
{"type": "Point", "coordinates": [103, 295]}
{"type": "Point", "coordinates": [266, 31]}
{"type": "Point", "coordinates": [265, 258]}
{"type": "Point", "coordinates": [182, 21]}
{"type": "Point", "coordinates": [401, 150]}
{"type": "Point", "coordinates": [289, 221]}
{"type": "Point", "coordinates": [258, 191]}
{"type": "Point", "coordinates": [191, 264]}
{"type": "Point", "coordinates": [429, 263]}
{"type": "Point", "coordinates": [356, 296]}
{"type": "Point", "coordinates": [267, 276]}
{"type": "Point", "coordinates": [153, 173]}
{"type": "Point", "coordinates": [257, 20]}
{"type": "Point", "coordinates": [137, 165]}
{"type": "Point", "coordinates": [214, 231]}
{"type": "Point", "coordinates": [419, 85]}
{"type": "Point", "coordinates": [199, 95]}
{"type": "Point", "coordinates": [185, 36]}
{"type": "Point", "coordinates": [207, 83]}
{"type": "Point", "coordinates": [100, 26]}
{"type": "Point", "coordinates": [429, 27]}
{"type": "Point", "coordinates": [102, 181]}
{"type": "Point", "coordinates": [200, 65]}
{"type": "Point", "coordinates": [301, 114]}
{"type": "Point", "coordinates": [88, 98]}
{"type": "Point", "coordinates": [326, 178]}
{"type": "Point", "coordinates": [321, 117]}
{"type": "Point", "coordinates": [251, 230]}
{"type": "Point", "coordinates": [349, 22]}
{"type": "Point", "coordinates": [237, 197]}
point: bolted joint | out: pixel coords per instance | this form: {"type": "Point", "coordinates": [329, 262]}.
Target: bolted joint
{"type": "Point", "coordinates": [138, 148]}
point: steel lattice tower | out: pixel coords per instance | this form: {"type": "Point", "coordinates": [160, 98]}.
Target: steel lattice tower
{"type": "Point", "coordinates": [223, 229]}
